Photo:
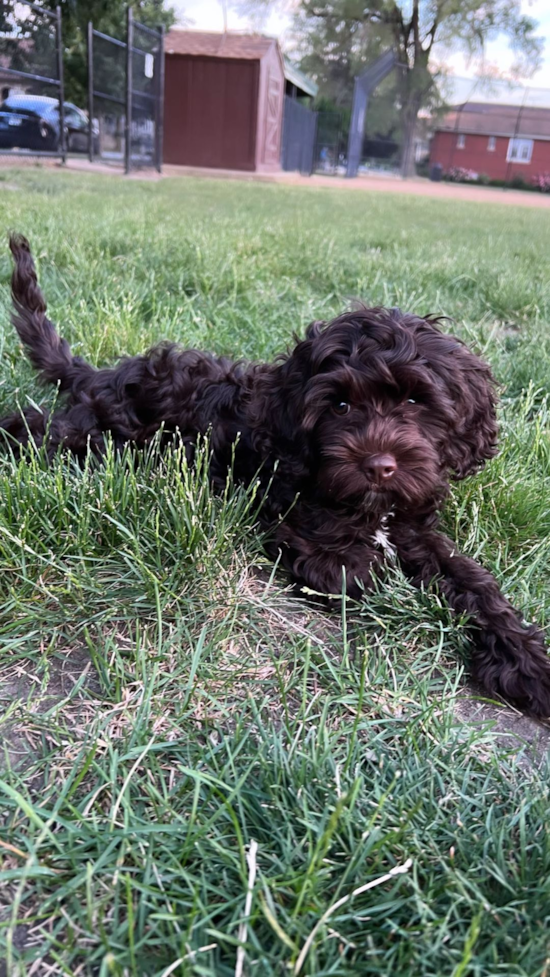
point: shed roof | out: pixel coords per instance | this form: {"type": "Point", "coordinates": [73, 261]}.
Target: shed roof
{"type": "Point", "coordinates": [490, 119]}
{"type": "Point", "coordinates": [297, 77]}
{"type": "Point", "coordinates": [211, 45]}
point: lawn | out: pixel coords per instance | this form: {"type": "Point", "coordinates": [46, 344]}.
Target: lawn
{"type": "Point", "coordinates": [173, 722]}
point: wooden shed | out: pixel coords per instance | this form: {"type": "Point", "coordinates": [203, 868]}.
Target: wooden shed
{"type": "Point", "coordinates": [223, 103]}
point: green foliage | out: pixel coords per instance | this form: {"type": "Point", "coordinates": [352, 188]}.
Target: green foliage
{"type": "Point", "coordinates": [164, 700]}
{"type": "Point", "coordinates": [108, 16]}
{"type": "Point", "coordinates": [337, 39]}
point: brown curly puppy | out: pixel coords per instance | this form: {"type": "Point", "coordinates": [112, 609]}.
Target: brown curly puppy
{"type": "Point", "coordinates": [355, 433]}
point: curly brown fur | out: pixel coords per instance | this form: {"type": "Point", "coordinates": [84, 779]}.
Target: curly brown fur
{"type": "Point", "coordinates": [356, 433]}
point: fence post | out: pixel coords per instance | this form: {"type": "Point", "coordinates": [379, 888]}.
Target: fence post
{"type": "Point", "coordinates": [90, 49]}
{"type": "Point", "coordinates": [307, 163]}
{"type": "Point", "coordinates": [129, 85]}
{"type": "Point", "coordinates": [159, 128]}
{"type": "Point", "coordinates": [459, 112]}
{"type": "Point", "coordinates": [59, 46]}
{"type": "Point", "coordinates": [516, 130]}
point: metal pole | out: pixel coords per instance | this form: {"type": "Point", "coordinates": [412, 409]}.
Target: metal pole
{"type": "Point", "coordinates": [303, 141]}
{"type": "Point", "coordinates": [356, 129]}
{"type": "Point", "coordinates": [515, 136]}
{"type": "Point", "coordinates": [61, 85]}
{"type": "Point", "coordinates": [459, 112]}
{"type": "Point", "coordinates": [129, 83]}
{"type": "Point", "coordinates": [313, 145]}
{"type": "Point", "coordinates": [90, 91]}
{"type": "Point", "coordinates": [160, 104]}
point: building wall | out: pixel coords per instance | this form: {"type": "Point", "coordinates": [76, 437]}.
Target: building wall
{"type": "Point", "coordinates": [211, 111]}
{"type": "Point", "coordinates": [476, 156]}
{"type": "Point", "coordinates": [270, 111]}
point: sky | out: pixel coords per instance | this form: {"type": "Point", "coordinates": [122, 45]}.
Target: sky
{"type": "Point", "coordinates": [208, 15]}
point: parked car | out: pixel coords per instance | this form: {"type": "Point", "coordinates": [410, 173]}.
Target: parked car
{"type": "Point", "coordinates": [32, 122]}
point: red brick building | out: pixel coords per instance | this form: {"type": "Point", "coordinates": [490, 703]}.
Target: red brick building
{"type": "Point", "coordinates": [498, 141]}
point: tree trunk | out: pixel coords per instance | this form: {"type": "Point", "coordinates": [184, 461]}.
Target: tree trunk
{"type": "Point", "coordinates": [411, 109]}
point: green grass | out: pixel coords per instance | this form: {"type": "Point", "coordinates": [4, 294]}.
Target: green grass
{"type": "Point", "coordinates": [165, 703]}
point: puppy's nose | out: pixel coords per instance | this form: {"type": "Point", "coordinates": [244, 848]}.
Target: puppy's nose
{"type": "Point", "coordinates": [381, 468]}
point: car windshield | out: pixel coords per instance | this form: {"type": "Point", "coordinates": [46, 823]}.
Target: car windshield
{"type": "Point", "coordinates": [11, 107]}
{"type": "Point", "coordinates": [27, 106]}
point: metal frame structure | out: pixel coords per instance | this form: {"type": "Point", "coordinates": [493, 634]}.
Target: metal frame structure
{"type": "Point", "coordinates": [133, 94]}
{"type": "Point", "coordinates": [362, 90]}
{"type": "Point", "coordinates": [130, 47]}
{"type": "Point", "coordinates": [129, 90]}
{"type": "Point", "coordinates": [58, 82]}
{"type": "Point", "coordinates": [159, 120]}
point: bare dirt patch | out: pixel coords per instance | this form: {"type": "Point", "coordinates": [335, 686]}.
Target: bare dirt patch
{"type": "Point", "coordinates": [25, 699]}
{"type": "Point", "coordinates": [70, 694]}
{"type": "Point", "coordinates": [512, 731]}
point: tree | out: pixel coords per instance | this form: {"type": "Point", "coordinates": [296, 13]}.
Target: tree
{"type": "Point", "coordinates": [333, 55]}
{"type": "Point", "coordinates": [339, 37]}
{"type": "Point", "coordinates": [108, 16]}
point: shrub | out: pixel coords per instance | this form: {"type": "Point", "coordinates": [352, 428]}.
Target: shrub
{"type": "Point", "coordinates": [541, 182]}
{"type": "Point", "coordinates": [460, 174]}
{"type": "Point", "coordinates": [518, 182]}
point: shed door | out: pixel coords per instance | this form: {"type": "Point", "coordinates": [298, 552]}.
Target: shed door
{"type": "Point", "coordinates": [210, 112]}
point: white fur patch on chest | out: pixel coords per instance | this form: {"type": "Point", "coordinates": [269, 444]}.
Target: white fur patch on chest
{"type": "Point", "coordinates": [381, 539]}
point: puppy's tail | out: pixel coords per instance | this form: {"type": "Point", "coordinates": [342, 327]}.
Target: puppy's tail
{"type": "Point", "coordinates": [47, 351]}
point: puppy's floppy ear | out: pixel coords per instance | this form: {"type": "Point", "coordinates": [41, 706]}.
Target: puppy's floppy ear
{"type": "Point", "coordinates": [276, 409]}
{"type": "Point", "coordinates": [471, 388]}
{"type": "Point", "coordinates": [288, 383]}
{"type": "Point", "coordinates": [476, 429]}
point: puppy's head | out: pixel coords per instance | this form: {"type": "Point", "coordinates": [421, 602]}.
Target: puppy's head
{"type": "Point", "coordinates": [387, 406]}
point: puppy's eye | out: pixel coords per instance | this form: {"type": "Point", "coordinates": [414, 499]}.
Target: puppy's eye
{"type": "Point", "coordinates": [411, 401]}
{"type": "Point", "coordinates": [341, 408]}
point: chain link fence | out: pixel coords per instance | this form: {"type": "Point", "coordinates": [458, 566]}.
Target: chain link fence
{"type": "Point", "coordinates": [145, 86]}
{"type": "Point", "coordinates": [34, 118]}
{"type": "Point", "coordinates": [126, 94]}
{"type": "Point", "coordinates": [106, 96]}
{"type": "Point", "coordinates": [495, 132]}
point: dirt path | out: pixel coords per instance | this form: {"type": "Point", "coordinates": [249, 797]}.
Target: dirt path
{"type": "Point", "coordinates": [417, 187]}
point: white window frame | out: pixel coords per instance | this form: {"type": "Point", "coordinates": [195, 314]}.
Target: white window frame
{"type": "Point", "coordinates": [520, 151]}
{"type": "Point", "coordinates": [461, 141]}
{"type": "Point", "coordinates": [492, 144]}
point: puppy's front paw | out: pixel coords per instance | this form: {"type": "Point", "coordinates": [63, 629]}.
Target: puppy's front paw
{"type": "Point", "coordinates": [521, 674]}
